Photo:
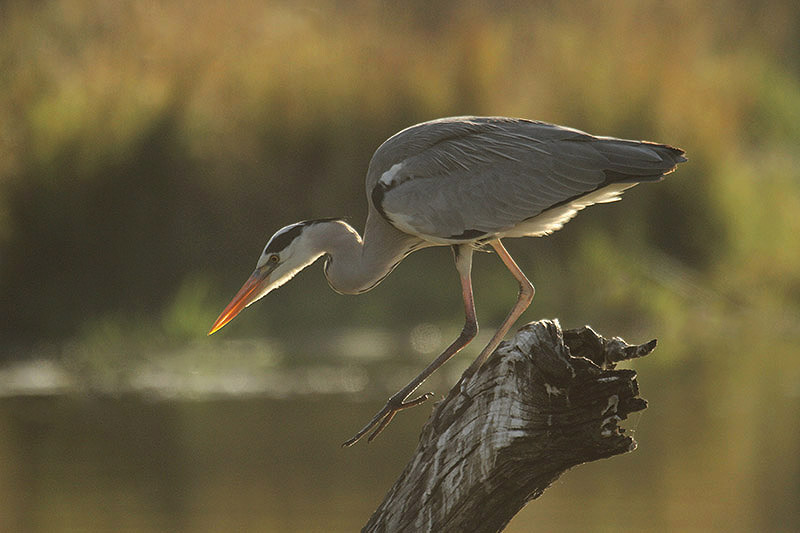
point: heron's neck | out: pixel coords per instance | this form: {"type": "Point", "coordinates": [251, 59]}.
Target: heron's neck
{"type": "Point", "coordinates": [355, 265]}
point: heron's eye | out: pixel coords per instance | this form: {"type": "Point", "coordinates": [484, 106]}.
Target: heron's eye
{"type": "Point", "coordinates": [273, 259]}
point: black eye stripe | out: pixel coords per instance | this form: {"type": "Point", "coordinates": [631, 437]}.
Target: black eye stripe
{"type": "Point", "coordinates": [282, 240]}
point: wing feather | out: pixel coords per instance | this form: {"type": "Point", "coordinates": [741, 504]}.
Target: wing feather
{"type": "Point", "coordinates": [466, 176]}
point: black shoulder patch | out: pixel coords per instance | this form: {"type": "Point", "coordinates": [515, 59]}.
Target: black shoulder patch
{"type": "Point", "coordinates": [469, 234]}
{"type": "Point", "coordinates": [377, 197]}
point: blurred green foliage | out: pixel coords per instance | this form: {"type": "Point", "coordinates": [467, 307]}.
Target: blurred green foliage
{"type": "Point", "coordinates": [149, 148]}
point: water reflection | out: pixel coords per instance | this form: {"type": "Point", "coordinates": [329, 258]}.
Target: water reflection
{"type": "Point", "coordinates": [273, 462]}
{"type": "Point", "coordinates": [256, 464]}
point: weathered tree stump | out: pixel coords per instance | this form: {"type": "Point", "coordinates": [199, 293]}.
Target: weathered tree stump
{"type": "Point", "coordinates": [545, 401]}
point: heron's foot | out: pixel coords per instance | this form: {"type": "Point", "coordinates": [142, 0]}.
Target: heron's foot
{"type": "Point", "coordinates": [384, 416]}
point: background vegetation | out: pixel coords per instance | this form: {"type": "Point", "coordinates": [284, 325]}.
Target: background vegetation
{"type": "Point", "coordinates": [149, 148]}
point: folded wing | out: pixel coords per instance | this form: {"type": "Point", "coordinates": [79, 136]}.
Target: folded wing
{"type": "Point", "coordinates": [459, 179]}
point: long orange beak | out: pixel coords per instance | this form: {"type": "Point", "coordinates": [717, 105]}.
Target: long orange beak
{"type": "Point", "coordinates": [243, 298]}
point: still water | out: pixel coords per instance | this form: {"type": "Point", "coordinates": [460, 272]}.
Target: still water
{"type": "Point", "coordinates": [254, 462]}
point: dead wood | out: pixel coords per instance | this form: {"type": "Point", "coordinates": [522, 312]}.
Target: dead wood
{"type": "Point", "coordinates": [545, 401]}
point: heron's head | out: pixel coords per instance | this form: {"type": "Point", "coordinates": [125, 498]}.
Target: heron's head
{"type": "Point", "coordinates": [287, 252]}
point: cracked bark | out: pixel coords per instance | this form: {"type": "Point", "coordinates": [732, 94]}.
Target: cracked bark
{"type": "Point", "coordinates": [545, 401]}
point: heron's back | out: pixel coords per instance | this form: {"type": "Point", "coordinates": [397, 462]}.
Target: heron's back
{"type": "Point", "coordinates": [467, 178]}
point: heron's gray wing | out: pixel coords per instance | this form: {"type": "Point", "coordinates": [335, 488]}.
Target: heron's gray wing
{"type": "Point", "coordinates": [464, 178]}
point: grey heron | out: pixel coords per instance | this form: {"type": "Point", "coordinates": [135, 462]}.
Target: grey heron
{"type": "Point", "coordinates": [463, 182]}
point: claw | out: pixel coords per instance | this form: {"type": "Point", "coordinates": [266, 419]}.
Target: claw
{"type": "Point", "coordinates": [415, 402]}
{"type": "Point", "coordinates": [385, 416]}
{"type": "Point", "coordinates": [385, 422]}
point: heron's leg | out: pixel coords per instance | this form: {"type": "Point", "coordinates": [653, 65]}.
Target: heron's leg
{"type": "Point", "coordinates": [398, 402]}
{"type": "Point", "coordinates": [524, 299]}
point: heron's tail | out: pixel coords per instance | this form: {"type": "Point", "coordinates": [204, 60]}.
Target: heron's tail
{"type": "Point", "coordinates": [636, 161]}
